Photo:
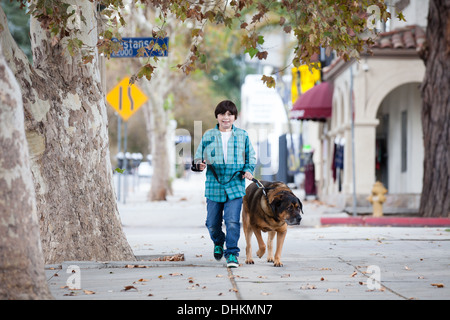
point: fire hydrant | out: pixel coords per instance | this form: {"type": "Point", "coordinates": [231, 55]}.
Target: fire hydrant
{"type": "Point", "coordinates": [377, 198]}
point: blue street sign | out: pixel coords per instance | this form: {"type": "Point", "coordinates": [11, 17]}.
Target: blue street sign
{"type": "Point", "coordinates": [132, 45]}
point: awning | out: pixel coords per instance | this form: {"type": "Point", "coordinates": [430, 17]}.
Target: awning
{"type": "Point", "coordinates": [314, 104]}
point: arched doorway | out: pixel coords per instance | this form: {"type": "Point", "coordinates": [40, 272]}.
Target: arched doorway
{"type": "Point", "coordinates": [399, 142]}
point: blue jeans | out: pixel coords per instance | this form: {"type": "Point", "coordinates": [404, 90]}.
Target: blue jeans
{"type": "Point", "coordinates": [230, 212]}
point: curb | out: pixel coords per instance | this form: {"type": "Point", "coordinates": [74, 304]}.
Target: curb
{"type": "Point", "coordinates": [387, 221]}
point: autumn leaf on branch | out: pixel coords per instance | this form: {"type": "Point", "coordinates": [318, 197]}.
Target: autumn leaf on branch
{"type": "Point", "coordinates": [269, 81]}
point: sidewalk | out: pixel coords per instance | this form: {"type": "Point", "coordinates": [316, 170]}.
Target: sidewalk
{"type": "Point", "coordinates": [333, 262]}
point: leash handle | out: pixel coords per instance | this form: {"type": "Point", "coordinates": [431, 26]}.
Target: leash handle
{"type": "Point", "coordinates": [261, 186]}
{"type": "Point", "coordinates": [258, 183]}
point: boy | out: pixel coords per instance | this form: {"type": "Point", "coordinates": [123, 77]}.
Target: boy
{"type": "Point", "coordinates": [225, 150]}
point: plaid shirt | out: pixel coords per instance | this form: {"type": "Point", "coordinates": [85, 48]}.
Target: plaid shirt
{"type": "Point", "coordinates": [240, 157]}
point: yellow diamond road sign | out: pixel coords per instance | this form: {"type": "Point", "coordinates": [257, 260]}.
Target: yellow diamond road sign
{"type": "Point", "coordinates": [126, 99]}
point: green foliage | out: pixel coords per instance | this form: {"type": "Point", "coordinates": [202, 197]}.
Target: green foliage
{"type": "Point", "coordinates": [118, 170]}
{"type": "Point", "coordinates": [19, 25]}
{"type": "Point", "coordinates": [315, 24]}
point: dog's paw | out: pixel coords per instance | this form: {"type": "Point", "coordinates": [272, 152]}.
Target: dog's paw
{"type": "Point", "coordinates": [277, 263]}
{"type": "Point", "coordinates": [260, 252]}
{"type": "Point", "coordinates": [249, 261]}
{"type": "Point", "coordinates": [270, 259]}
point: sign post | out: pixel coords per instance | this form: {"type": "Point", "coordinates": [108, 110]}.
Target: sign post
{"type": "Point", "coordinates": [126, 99]}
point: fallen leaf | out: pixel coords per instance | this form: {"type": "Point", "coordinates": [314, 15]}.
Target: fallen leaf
{"type": "Point", "coordinates": [382, 289]}
{"type": "Point", "coordinates": [332, 290]}
{"type": "Point", "coordinates": [177, 257]}
{"type": "Point", "coordinates": [127, 288]}
{"type": "Point", "coordinates": [438, 285]}
{"type": "Point", "coordinates": [150, 294]}
{"type": "Point", "coordinates": [131, 266]}
{"type": "Point", "coordinates": [353, 274]}
{"type": "Point", "coordinates": [88, 292]}
{"type": "Point", "coordinates": [174, 274]}
{"type": "Point", "coordinates": [407, 268]}
{"type": "Point", "coordinates": [308, 287]}
{"type": "Point", "coordinates": [322, 279]}
{"type": "Point", "coordinates": [265, 293]}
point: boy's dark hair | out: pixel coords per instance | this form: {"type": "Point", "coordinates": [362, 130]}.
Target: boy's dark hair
{"type": "Point", "coordinates": [225, 106]}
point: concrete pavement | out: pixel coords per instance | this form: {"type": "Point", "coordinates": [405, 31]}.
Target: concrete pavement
{"type": "Point", "coordinates": [337, 262]}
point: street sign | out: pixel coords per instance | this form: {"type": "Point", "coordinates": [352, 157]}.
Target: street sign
{"type": "Point", "coordinates": [126, 99]}
{"type": "Point", "coordinates": [153, 47]}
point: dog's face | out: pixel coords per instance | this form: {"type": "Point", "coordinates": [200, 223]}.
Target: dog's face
{"type": "Point", "coordinates": [286, 206]}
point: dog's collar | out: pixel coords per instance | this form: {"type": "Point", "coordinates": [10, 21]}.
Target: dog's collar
{"type": "Point", "coordinates": [264, 189]}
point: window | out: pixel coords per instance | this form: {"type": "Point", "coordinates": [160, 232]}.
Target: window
{"type": "Point", "coordinates": [404, 135]}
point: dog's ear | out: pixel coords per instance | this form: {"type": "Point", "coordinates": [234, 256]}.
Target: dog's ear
{"type": "Point", "coordinates": [300, 205]}
{"type": "Point", "coordinates": [276, 205]}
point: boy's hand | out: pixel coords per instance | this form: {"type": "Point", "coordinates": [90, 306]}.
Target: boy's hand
{"type": "Point", "coordinates": [248, 175]}
{"type": "Point", "coordinates": [202, 165]}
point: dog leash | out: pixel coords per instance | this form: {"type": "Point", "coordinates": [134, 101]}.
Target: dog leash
{"type": "Point", "coordinates": [210, 166]}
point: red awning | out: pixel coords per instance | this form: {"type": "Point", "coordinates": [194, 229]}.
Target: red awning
{"type": "Point", "coordinates": [314, 104]}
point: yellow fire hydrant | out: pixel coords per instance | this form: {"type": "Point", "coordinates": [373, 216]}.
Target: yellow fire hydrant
{"type": "Point", "coordinates": [377, 198]}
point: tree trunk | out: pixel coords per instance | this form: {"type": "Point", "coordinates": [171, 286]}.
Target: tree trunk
{"type": "Point", "coordinates": [160, 156]}
{"type": "Point", "coordinates": [66, 128]}
{"type": "Point", "coordinates": [22, 273]}
{"type": "Point", "coordinates": [435, 199]}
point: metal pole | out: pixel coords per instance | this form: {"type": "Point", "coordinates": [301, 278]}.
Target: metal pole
{"type": "Point", "coordinates": [352, 115]}
{"type": "Point", "coordinates": [125, 184]}
{"type": "Point", "coordinates": [119, 141]}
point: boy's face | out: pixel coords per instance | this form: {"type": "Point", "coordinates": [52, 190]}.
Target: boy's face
{"type": "Point", "coordinates": [225, 120]}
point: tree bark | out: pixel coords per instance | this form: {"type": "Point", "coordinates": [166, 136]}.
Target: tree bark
{"type": "Point", "coordinates": [22, 273]}
{"type": "Point", "coordinates": [160, 156]}
{"type": "Point", "coordinates": [66, 128]}
{"type": "Point", "coordinates": [435, 199]}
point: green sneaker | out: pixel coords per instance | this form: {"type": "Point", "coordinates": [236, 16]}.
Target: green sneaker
{"type": "Point", "coordinates": [218, 252]}
{"type": "Point", "coordinates": [232, 261]}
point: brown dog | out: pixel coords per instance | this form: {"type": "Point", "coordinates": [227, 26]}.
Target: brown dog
{"type": "Point", "coordinates": [270, 212]}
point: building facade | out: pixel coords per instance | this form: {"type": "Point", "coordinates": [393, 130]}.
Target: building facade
{"type": "Point", "coordinates": [383, 90]}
